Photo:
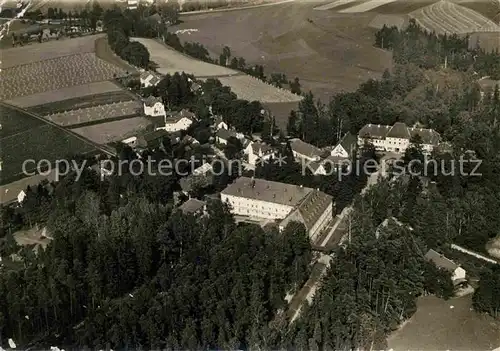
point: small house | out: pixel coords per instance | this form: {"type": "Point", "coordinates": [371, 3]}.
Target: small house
{"type": "Point", "coordinates": [154, 107]}
{"type": "Point", "coordinates": [193, 206]}
{"type": "Point", "coordinates": [259, 151]}
{"type": "Point", "coordinates": [304, 151]}
{"type": "Point", "coordinates": [458, 273]}
{"type": "Point", "coordinates": [179, 121]}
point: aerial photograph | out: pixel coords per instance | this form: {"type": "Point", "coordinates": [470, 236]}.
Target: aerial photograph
{"type": "Point", "coordinates": [250, 175]}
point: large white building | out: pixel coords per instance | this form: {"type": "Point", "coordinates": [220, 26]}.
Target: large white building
{"type": "Point", "coordinates": [263, 199]}
{"type": "Point", "coordinates": [397, 138]}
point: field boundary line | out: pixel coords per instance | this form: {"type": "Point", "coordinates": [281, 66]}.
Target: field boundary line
{"type": "Point", "coordinates": [106, 150]}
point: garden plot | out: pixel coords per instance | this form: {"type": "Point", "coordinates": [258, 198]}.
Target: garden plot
{"type": "Point", "coordinates": [55, 74]}
{"type": "Point", "coordinates": [447, 18]}
{"type": "Point", "coordinates": [366, 6]}
{"type": "Point", "coordinates": [170, 61]}
{"type": "Point", "coordinates": [96, 113]}
{"type": "Point", "coordinates": [73, 92]}
{"type": "Point", "coordinates": [23, 55]}
{"type": "Point", "coordinates": [105, 133]}
{"type": "Point", "coordinates": [250, 88]}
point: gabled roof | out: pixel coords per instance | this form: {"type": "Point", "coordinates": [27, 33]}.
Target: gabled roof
{"type": "Point", "coordinates": [176, 117]}
{"type": "Point", "coordinates": [152, 100]}
{"type": "Point", "coordinates": [310, 209]}
{"type": "Point", "coordinates": [440, 260]}
{"type": "Point", "coordinates": [268, 191]}
{"type": "Point", "coordinates": [428, 136]}
{"type": "Point", "coordinates": [304, 148]}
{"type": "Point", "coordinates": [226, 134]}
{"type": "Point", "coordinates": [398, 130]}
{"type": "Point", "coordinates": [192, 206]}
{"type": "Point", "coordinates": [376, 131]}
{"type": "Point", "coordinates": [348, 142]}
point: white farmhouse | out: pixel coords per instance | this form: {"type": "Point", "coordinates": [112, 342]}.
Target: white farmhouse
{"type": "Point", "coordinates": [396, 138]}
{"type": "Point", "coordinates": [258, 151]}
{"type": "Point", "coordinates": [153, 106]}
{"type": "Point", "coordinates": [458, 273]}
{"type": "Point", "coordinates": [149, 79]}
{"type": "Point", "coordinates": [262, 199]}
{"type": "Point", "coordinates": [179, 121]}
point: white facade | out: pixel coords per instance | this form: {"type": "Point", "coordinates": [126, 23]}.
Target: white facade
{"type": "Point", "coordinates": [255, 155]}
{"type": "Point", "coordinates": [132, 141]}
{"type": "Point", "coordinates": [181, 124]}
{"type": "Point", "coordinates": [21, 196]}
{"type": "Point", "coordinates": [256, 208]}
{"type": "Point", "coordinates": [322, 221]}
{"type": "Point", "coordinates": [158, 109]}
{"type": "Point", "coordinates": [458, 274]}
{"type": "Point", "coordinates": [305, 157]}
{"type": "Point", "coordinates": [339, 151]}
{"type": "Point", "coordinates": [222, 125]}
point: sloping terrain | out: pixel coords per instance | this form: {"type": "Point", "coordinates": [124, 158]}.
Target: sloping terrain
{"type": "Point", "coordinates": [244, 86]}
{"type": "Point", "coordinates": [328, 51]}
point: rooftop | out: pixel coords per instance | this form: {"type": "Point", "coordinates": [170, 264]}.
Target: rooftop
{"type": "Point", "coordinates": [151, 100]}
{"type": "Point", "coordinates": [440, 260]}
{"type": "Point", "coordinates": [192, 206]}
{"type": "Point", "coordinates": [258, 147]}
{"type": "Point", "coordinates": [304, 148]}
{"type": "Point", "coordinates": [268, 191]}
{"type": "Point", "coordinates": [398, 130]}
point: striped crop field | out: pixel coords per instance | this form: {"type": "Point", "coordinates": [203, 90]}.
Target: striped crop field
{"type": "Point", "coordinates": [23, 55]}
{"type": "Point", "coordinates": [53, 96]}
{"type": "Point", "coordinates": [96, 113]}
{"type": "Point", "coordinates": [445, 17]}
{"type": "Point", "coordinates": [54, 74]}
{"type": "Point", "coordinates": [366, 6]}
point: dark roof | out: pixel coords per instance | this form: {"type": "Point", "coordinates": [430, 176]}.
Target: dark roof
{"type": "Point", "coordinates": [225, 134]}
{"type": "Point", "coordinates": [304, 148]}
{"type": "Point", "coordinates": [310, 209]}
{"type": "Point", "coordinates": [151, 100]}
{"type": "Point", "coordinates": [192, 206]}
{"type": "Point", "coordinates": [348, 142]}
{"type": "Point", "coordinates": [440, 260]}
{"type": "Point", "coordinates": [157, 134]}
{"type": "Point", "coordinates": [268, 191]}
{"type": "Point", "coordinates": [258, 146]}
{"type": "Point", "coordinates": [376, 131]}
{"type": "Point", "coordinates": [428, 136]}
{"type": "Point", "coordinates": [398, 130]}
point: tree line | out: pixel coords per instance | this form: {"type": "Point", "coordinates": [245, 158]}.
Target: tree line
{"type": "Point", "coordinates": [428, 50]}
